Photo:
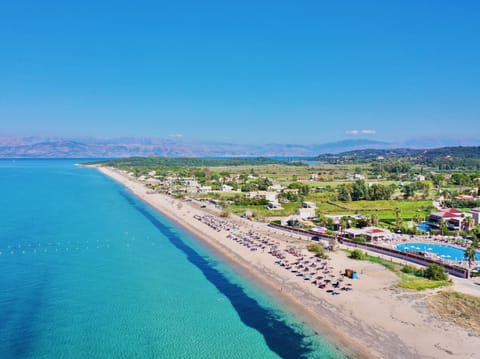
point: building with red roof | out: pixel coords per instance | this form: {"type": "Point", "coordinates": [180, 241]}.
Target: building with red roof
{"type": "Point", "coordinates": [453, 217]}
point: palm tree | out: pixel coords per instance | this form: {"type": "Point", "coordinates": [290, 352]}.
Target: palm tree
{"type": "Point", "coordinates": [443, 226]}
{"type": "Point", "coordinates": [471, 252]}
{"type": "Point", "coordinates": [323, 220]}
{"type": "Point", "coordinates": [397, 213]}
{"type": "Point", "coordinates": [467, 223]}
{"type": "Point", "coordinates": [343, 223]}
{"type": "Point", "coordinates": [417, 217]}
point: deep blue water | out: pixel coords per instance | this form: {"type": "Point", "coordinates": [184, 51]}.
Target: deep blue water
{"type": "Point", "coordinates": [89, 271]}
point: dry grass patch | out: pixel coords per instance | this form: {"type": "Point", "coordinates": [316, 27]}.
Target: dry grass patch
{"type": "Point", "coordinates": [462, 309]}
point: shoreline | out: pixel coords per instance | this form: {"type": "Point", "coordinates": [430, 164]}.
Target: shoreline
{"type": "Point", "coordinates": [354, 326]}
{"type": "Point", "coordinates": [320, 326]}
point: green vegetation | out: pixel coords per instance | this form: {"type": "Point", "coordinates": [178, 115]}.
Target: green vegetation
{"type": "Point", "coordinates": [459, 308]}
{"type": "Point", "coordinates": [410, 276]}
{"type": "Point", "coordinates": [360, 239]}
{"type": "Point", "coordinates": [412, 270]}
{"type": "Point", "coordinates": [225, 213]}
{"type": "Point", "coordinates": [393, 189]}
{"type": "Point", "coordinates": [358, 254]}
{"type": "Point", "coordinates": [318, 250]}
{"type": "Point", "coordinates": [401, 160]}
{"type": "Point", "coordinates": [175, 162]}
{"type": "Point", "coordinates": [360, 190]}
{"type": "Point", "coordinates": [391, 266]}
{"type": "Point", "coordinates": [419, 283]}
{"type": "Point", "coordinates": [260, 210]}
{"type": "Point", "coordinates": [435, 272]}
{"type": "Point", "coordinates": [471, 251]}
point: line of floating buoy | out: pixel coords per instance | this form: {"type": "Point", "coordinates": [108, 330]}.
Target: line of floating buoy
{"type": "Point", "coordinates": [69, 245]}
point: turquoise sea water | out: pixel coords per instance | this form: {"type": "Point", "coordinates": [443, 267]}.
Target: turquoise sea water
{"type": "Point", "coordinates": [89, 271]}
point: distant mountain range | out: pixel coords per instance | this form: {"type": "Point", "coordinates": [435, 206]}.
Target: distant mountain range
{"type": "Point", "coordinates": [53, 147]}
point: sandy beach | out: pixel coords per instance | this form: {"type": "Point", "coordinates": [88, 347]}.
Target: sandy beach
{"type": "Point", "coordinates": [374, 319]}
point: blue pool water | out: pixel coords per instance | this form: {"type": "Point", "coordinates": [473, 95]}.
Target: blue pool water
{"type": "Point", "coordinates": [442, 250]}
{"type": "Point", "coordinates": [423, 227]}
{"type": "Point", "coordinates": [89, 271]}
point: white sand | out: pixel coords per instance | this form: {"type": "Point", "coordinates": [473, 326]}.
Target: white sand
{"type": "Point", "coordinates": [375, 319]}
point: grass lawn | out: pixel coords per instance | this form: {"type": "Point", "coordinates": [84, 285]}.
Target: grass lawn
{"type": "Point", "coordinates": [418, 283]}
{"type": "Point", "coordinates": [288, 209]}
{"type": "Point", "coordinates": [384, 209]}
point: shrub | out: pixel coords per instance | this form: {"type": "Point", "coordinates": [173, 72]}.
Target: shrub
{"type": "Point", "coordinates": [408, 269]}
{"type": "Point", "coordinates": [318, 250]}
{"type": "Point", "coordinates": [225, 213]}
{"type": "Point", "coordinates": [357, 254]}
{"type": "Point", "coordinates": [314, 248]}
{"type": "Point", "coordinates": [418, 272]}
{"type": "Point", "coordinates": [435, 272]}
{"type": "Point", "coordinates": [360, 239]}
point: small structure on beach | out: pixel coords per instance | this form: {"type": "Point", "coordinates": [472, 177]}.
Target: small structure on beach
{"type": "Point", "coordinates": [350, 273]}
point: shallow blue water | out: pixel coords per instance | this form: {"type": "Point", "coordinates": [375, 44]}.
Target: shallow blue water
{"type": "Point", "coordinates": [89, 271]}
{"type": "Point", "coordinates": [425, 227]}
{"type": "Point", "coordinates": [444, 251]}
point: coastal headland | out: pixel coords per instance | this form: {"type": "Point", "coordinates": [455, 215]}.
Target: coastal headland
{"type": "Point", "coordinates": [375, 319]}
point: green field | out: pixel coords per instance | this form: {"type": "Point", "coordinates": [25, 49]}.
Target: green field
{"type": "Point", "coordinates": [288, 209]}
{"type": "Point", "coordinates": [384, 209]}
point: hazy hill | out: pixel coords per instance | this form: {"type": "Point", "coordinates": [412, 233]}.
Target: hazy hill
{"type": "Point", "coordinates": [37, 147]}
{"type": "Point", "coordinates": [89, 147]}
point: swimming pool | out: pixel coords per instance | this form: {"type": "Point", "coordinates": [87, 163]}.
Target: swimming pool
{"type": "Point", "coordinates": [423, 227]}
{"type": "Point", "coordinates": [444, 251]}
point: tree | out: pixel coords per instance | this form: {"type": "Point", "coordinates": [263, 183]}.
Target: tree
{"type": "Point", "coordinates": [323, 221]}
{"type": "Point", "coordinates": [396, 212]}
{"type": "Point", "coordinates": [471, 252]}
{"type": "Point", "coordinates": [467, 223]}
{"type": "Point", "coordinates": [360, 191]}
{"type": "Point", "coordinates": [443, 227]}
{"type": "Point", "coordinates": [408, 191]}
{"type": "Point", "coordinates": [380, 192]}
{"type": "Point", "coordinates": [438, 180]}
{"type": "Point", "coordinates": [264, 183]}
{"type": "Point", "coordinates": [398, 219]}
{"type": "Point", "coordinates": [426, 187]}
{"type": "Point", "coordinates": [344, 223]}
{"type": "Point", "coordinates": [345, 192]}
{"type": "Point", "coordinates": [417, 217]}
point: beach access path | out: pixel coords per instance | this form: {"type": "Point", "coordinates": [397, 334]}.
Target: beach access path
{"type": "Point", "coordinates": [374, 320]}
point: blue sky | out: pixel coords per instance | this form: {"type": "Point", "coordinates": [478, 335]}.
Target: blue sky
{"type": "Point", "coordinates": [244, 71]}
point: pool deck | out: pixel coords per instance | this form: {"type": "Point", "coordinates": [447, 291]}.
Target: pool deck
{"type": "Point", "coordinates": [405, 239]}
